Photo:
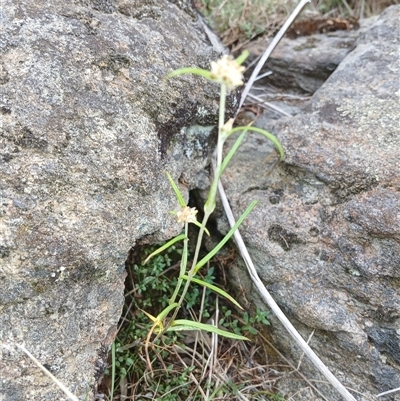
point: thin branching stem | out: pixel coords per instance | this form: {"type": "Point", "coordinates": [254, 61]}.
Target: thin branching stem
{"type": "Point", "coordinates": [210, 203]}
{"type": "Point", "coordinates": [183, 264]}
{"type": "Point", "coordinates": [221, 123]}
{"type": "Point", "coordinates": [191, 271]}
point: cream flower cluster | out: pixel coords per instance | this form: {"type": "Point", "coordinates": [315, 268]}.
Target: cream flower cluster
{"type": "Point", "coordinates": [227, 71]}
{"type": "Point", "coordinates": [187, 215]}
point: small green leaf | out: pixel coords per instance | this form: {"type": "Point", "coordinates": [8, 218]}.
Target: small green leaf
{"type": "Point", "coordinates": [246, 317]}
{"type": "Point", "coordinates": [252, 330]}
{"type": "Point", "coordinates": [242, 57]}
{"type": "Point", "coordinates": [165, 246]}
{"type": "Point", "coordinates": [268, 135]}
{"type": "Point", "coordinates": [165, 312]}
{"type": "Point", "coordinates": [217, 391]}
{"type": "Point", "coordinates": [191, 70]}
{"type": "Point", "coordinates": [232, 151]}
{"type": "Point", "coordinates": [151, 317]}
{"type": "Point", "coordinates": [183, 324]}
{"type": "Point", "coordinates": [176, 190]}
{"type": "Point", "coordinates": [211, 254]}
{"type": "Point", "coordinates": [209, 206]}
{"type": "Point", "coordinates": [213, 288]}
{"type": "Point", "coordinates": [198, 224]}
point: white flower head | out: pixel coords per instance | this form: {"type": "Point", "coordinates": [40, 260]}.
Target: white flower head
{"type": "Point", "coordinates": [187, 215]}
{"type": "Point", "coordinates": [227, 71]}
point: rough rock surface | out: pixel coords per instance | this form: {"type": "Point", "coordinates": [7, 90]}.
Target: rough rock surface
{"type": "Point", "coordinates": [89, 128]}
{"type": "Point", "coordinates": [305, 64]}
{"type": "Point", "coordinates": [325, 236]}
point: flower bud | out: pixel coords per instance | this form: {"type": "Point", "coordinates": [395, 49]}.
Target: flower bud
{"type": "Point", "coordinates": [227, 71]}
{"type": "Point", "coordinates": [187, 215]}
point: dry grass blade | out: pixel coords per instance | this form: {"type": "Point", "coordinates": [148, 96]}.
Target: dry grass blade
{"type": "Point", "coordinates": [294, 369]}
{"type": "Point", "coordinates": [395, 390]}
{"type": "Point", "coordinates": [265, 104]}
{"type": "Point", "coordinates": [275, 308]}
{"type": "Point", "coordinates": [243, 250]}
{"type": "Point", "coordinates": [230, 365]}
{"type": "Point", "coordinates": [269, 50]}
{"type": "Point", "coordinates": [47, 373]}
{"type": "Point", "coordinates": [192, 377]}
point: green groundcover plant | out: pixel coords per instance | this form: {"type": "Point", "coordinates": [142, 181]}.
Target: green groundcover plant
{"type": "Point", "coordinates": [228, 73]}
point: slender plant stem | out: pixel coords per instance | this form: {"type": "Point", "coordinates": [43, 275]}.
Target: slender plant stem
{"type": "Point", "coordinates": [191, 271]}
{"type": "Point", "coordinates": [210, 203]}
{"type": "Point", "coordinates": [183, 265]}
{"type": "Point", "coordinates": [112, 370]}
{"type": "Point", "coordinates": [221, 123]}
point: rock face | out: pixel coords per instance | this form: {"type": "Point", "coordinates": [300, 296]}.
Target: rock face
{"type": "Point", "coordinates": [326, 234]}
{"type": "Point", "coordinates": [89, 128]}
{"type": "Point", "coordinates": [304, 64]}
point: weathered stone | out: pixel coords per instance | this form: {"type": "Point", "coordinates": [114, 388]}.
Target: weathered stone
{"type": "Point", "coordinates": [325, 236]}
{"type": "Point", "coordinates": [89, 128]}
{"type": "Point", "coordinates": [305, 63]}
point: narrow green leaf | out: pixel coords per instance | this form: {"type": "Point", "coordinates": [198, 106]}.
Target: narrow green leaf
{"type": "Point", "coordinates": [213, 288]}
{"type": "Point", "coordinates": [268, 135]}
{"type": "Point", "coordinates": [165, 246]}
{"type": "Point", "coordinates": [161, 316]}
{"type": "Point", "coordinates": [176, 190]}
{"type": "Point", "coordinates": [182, 269]}
{"type": "Point", "coordinates": [112, 369]}
{"type": "Point", "coordinates": [209, 206]}
{"type": "Point", "coordinates": [87, 394]}
{"type": "Point", "coordinates": [211, 254]}
{"type": "Point", "coordinates": [242, 57]}
{"type": "Point", "coordinates": [233, 150]}
{"type": "Point", "coordinates": [215, 392]}
{"type": "Point", "coordinates": [183, 324]}
{"type": "Point", "coordinates": [191, 70]}
{"type": "Point", "coordinates": [151, 317]}
{"type": "Point", "coordinates": [198, 224]}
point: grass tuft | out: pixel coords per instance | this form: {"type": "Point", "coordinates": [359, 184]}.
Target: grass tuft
{"type": "Point", "coordinates": [186, 364]}
{"type": "Point", "coordinates": [239, 21]}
